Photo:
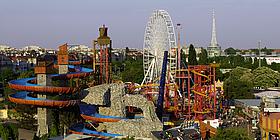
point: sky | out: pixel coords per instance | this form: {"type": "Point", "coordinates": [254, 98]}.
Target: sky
{"type": "Point", "coordinates": [50, 23]}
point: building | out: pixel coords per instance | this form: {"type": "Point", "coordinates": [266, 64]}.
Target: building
{"type": "Point", "coordinates": [4, 112]}
{"type": "Point", "coordinates": [4, 48]}
{"type": "Point", "coordinates": [50, 51]}
{"type": "Point", "coordinates": [214, 49]}
{"type": "Point", "coordinates": [134, 53]}
{"type": "Point", "coordinates": [270, 119]}
{"type": "Point", "coordinates": [5, 62]}
{"type": "Point", "coordinates": [118, 54]}
{"type": "Point", "coordinates": [32, 47]}
{"type": "Point", "coordinates": [79, 49]}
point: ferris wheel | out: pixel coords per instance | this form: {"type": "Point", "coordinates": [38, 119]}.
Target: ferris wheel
{"type": "Point", "coordinates": [159, 37]}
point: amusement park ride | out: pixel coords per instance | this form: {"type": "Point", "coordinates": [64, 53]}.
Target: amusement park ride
{"type": "Point", "coordinates": [190, 91]}
{"type": "Point", "coordinates": [183, 92]}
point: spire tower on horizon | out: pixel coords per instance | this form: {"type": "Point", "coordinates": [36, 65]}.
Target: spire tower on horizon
{"type": "Point", "coordinates": [214, 49]}
{"type": "Point", "coordinates": [214, 37]}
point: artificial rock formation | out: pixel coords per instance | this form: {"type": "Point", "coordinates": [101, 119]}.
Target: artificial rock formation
{"type": "Point", "coordinates": [141, 127]}
{"type": "Point", "coordinates": [113, 101]}
{"type": "Point", "coordinates": [108, 97]}
{"type": "Point", "coordinates": [96, 95]}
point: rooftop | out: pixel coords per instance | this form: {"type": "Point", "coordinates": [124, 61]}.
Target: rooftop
{"type": "Point", "coordinates": [252, 102]}
{"type": "Point", "coordinates": [268, 93]}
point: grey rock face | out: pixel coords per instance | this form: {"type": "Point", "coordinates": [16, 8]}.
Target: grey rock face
{"type": "Point", "coordinates": [113, 100]}
{"type": "Point", "coordinates": [141, 127]}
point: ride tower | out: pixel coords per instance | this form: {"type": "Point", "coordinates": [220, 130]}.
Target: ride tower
{"type": "Point", "coordinates": [201, 90]}
{"type": "Point", "coordinates": [102, 61]}
{"type": "Point", "coordinates": [43, 70]}
{"type": "Point", "coordinates": [62, 58]}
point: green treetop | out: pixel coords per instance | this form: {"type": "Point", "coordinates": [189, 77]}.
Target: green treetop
{"type": "Point", "coordinates": [239, 84]}
{"type": "Point", "coordinates": [232, 134]}
{"type": "Point", "coordinates": [230, 51]}
{"type": "Point", "coordinates": [192, 56]}
{"type": "Point", "coordinates": [203, 57]}
{"type": "Point", "coordinates": [265, 77]}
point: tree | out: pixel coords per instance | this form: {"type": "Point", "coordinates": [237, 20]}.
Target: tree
{"type": "Point", "coordinates": [264, 62]}
{"type": "Point", "coordinates": [237, 61]}
{"type": "Point", "coordinates": [265, 77]}
{"type": "Point", "coordinates": [4, 132]}
{"type": "Point", "coordinates": [183, 58]}
{"type": "Point", "coordinates": [126, 50]}
{"type": "Point", "coordinates": [6, 74]}
{"type": "Point", "coordinates": [239, 84]}
{"type": "Point", "coordinates": [203, 57]}
{"type": "Point", "coordinates": [230, 51]}
{"type": "Point", "coordinates": [126, 53]}
{"type": "Point", "coordinates": [13, 131]}
{"type": "Point", "coordinates": [54, 131]}
{"type": "Point", "coordinates": [25, 115]}
{"type": "Point", "coordinates": [256, 63]}
{"type": "Point", "coordinates": [192, 56]}
{"type": "Point", "coordinates": [68, 117]}
{"type": "Point", "coordinates": [232, 134]}
{"type": "Point", "coordinates": [133, 71]}
{"type": "Point", "coordinates": [248, 63]}
{"type": "Point", "coordinates": [8, 131]}
{"type": "Point", "coordinates": [275, 66]}
{"type": "Point", "coordinates": [26, 74]}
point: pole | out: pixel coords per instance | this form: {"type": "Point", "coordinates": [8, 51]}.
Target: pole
{"type": "Point", "coordinates": [110, 62]}
{"type": "Point", "coordinates": [189, 93]}
{"type": "Point", "coordinates": [259, 44]}
{"type": "Point", "coordinates": [214, 82]}
{"type": "Point", "coordinates": [101, 65]}
{"type": "Point", "coordinates": [107, 64]}
{"type": "Point", "coordinates": [179, 47]}
{"type": "Point", "coordinates": [94, 56]}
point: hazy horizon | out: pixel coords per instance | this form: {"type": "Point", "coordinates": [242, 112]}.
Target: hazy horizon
{"type": "Point", "coordinates": [240, 23]}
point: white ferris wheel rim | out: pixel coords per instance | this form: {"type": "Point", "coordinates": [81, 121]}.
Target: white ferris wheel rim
{"type": "Point", "coordinates": [159, 36]}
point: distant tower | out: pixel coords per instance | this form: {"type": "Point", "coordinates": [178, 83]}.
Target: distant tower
{"type": "Point", "coordinates": [214, 49]}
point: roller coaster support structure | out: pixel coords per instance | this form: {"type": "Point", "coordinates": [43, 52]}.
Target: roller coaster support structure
{"type": "Point", "coordinates": [159, 109]}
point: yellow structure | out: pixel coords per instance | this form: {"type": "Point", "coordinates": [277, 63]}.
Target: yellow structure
{"type": "Point", "coordinates": [219, 84]}
{"type": "Point", "coordinates": [270, 125]}
{"type": "Point", "coordinates": [3, 113]}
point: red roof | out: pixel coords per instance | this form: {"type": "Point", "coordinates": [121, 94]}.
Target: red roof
{"type": "Point", "coordinates": [276, 50]}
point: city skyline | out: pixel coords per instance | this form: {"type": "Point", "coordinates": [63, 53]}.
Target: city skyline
{"type": "Point", "coordinates": [240, 23]}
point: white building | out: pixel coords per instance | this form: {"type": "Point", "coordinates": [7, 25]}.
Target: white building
{"type": "Point", "coordinates": [6, 48]}
{"type": "Point", "coordinates": [79, 49]}
{"type": "Point", "coordinates": [33, 47]}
